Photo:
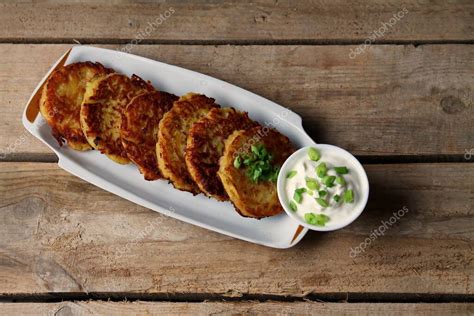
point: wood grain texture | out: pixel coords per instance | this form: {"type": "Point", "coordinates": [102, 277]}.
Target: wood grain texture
{"type": "Point", "coordinates": [230, 308]}
{"type": "Point", "coordinates": [389, 101]}
{"type": "Point", "coordinates": [59, 234]}
{"type": "Point", "coordinates": [264, 20]}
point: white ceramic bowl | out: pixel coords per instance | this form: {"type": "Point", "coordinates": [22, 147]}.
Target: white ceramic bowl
{"type": "Point", "coordinates": [351, 162]}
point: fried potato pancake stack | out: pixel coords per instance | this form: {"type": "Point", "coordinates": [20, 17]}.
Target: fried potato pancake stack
{"type": "Point", "coordinates": [190, 141]}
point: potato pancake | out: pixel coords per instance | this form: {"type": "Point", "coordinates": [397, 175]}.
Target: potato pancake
{"type": "Point", "coordinates": [61, 101]}
{"type": "Point", "coordinates": [102, 108]}
{"type": "Point", "coordinates": [139, 130]}
{"type": "Point", "coordinates": [205, 145]}
{"type": "Point", "coordinates": [252, 198]}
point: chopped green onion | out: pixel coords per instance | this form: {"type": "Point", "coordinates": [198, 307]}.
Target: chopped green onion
{"type": "Point", "coordinates": [322, 219]}
{"type": "Point", "coordinates": [248, 161]}
{"type": "Point", "coordinates": [322, 202]}
{"type": "Point", "coordinates": [341, 170]}
{"type": "Point", "coordinates": [310, 192]}
{"type": "Point", "coordinates": [256, 173]}
{"type": "Point", "coordinates": [349, 196]}
{"type": "Point", "coordinates": [321, 170]}
{"type": "Point", "coordinates": [329, 181]}
{"type": "Point", "coordinates": [264, 153]}
{"type": "Point", "coordinates": [337, 198]}
{"type": "Point", "coordinates": [316, 219]}
{"type": "Point", "coordinates": [274, 176]}
{"type": "Point", "coordinates": [301, 190]}
{"type": "Point", "coordinates": [237, 162]}
{"type": "Point", "coordinates": [322, 193]}
{"type": "Point", "coordinates": [258, 163]}
{"type": "Point", "coordinates": [312, 183]}
{"type": "Point", "coordinates": [291, 174]}
{"type": "Point", "coordinates": [340, 180]}
{"type": "Point", "coordinates": [298, 195]}
{"type": "Point", "coordinates": [255, 150]}
{"type": "Point", "coordinates": [310, 218]}
{"type": "Point", "coordinates": [293, 206]}
{"type": "Point", "coordinates": [314, 154]}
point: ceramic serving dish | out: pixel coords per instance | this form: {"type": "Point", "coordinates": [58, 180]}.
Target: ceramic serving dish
{"type": "Point", "coordinates": [124, 180]}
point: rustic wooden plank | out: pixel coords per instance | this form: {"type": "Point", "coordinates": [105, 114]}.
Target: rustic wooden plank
{"type": "Point", "coordinates": [264, 20]}
{"type": "Point", "coordinates": [59, 234]}
{"type": "Point", "coordinates": [232, 308]}
{"type": "Point", "coordinates": [392, 100]}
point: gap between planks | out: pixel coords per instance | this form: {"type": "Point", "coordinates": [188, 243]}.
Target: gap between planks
{"type": "Point", "coordinates": [237, 297]}
{"type": "Point", "coordinates": [302, 42]}
{"type": "Point", "coordinates": [366, 160]}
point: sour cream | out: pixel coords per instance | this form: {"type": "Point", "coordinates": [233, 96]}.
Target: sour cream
{"type": "Point", "coordinates": [326, 200]}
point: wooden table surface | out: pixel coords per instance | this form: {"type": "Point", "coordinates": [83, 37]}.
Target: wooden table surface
{"type": "Point", "coordinates": [403, 105]}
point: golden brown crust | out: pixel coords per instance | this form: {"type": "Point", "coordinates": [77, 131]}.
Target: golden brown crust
{"type": "Point", "coordinates": [205, 145]}
{"type": "Point", "coordinates": [252, 199]}
{"type": "Point", "coordinates": [139, 130]}
{"type": "Point", "coordinates": [61, 100]}
{"type": "Point", "coordinates": [172, 136]}
{"type": "Point", "coordinates": [101, 112]}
